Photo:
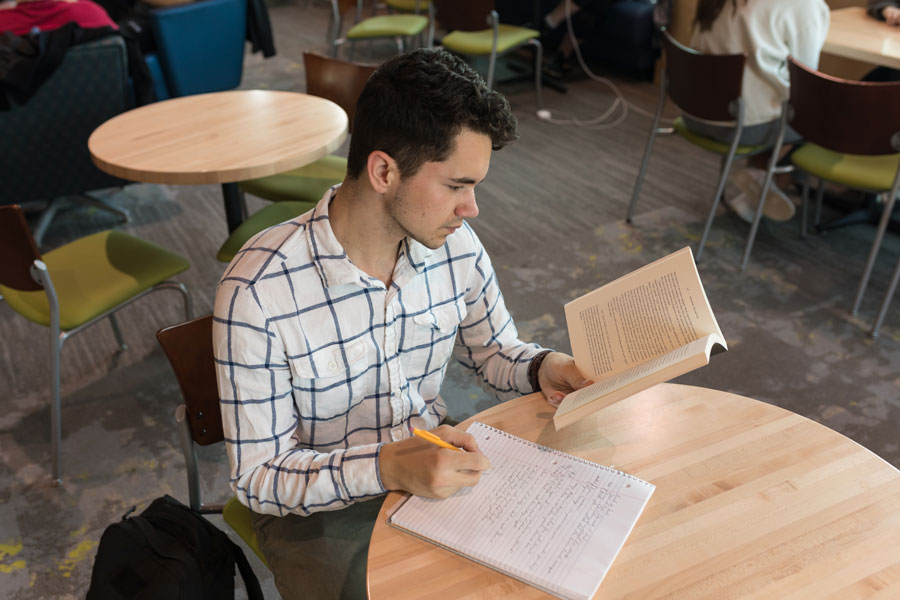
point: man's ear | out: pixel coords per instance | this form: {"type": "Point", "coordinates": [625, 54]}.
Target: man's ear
{"type": "Point", "coordinates": [382, 171]}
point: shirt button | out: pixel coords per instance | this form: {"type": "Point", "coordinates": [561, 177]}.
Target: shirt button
{"type": "Point", "coordinates": [332, 365]}
{"type": "Point", "coordinates": [397, 434]}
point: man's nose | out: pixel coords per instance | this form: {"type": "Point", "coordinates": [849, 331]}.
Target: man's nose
{"type": "Point", "coordinates": [469, 208]}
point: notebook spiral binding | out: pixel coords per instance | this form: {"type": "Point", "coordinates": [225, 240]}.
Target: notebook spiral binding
{"type": "Point", "coordinates": [557, 452]}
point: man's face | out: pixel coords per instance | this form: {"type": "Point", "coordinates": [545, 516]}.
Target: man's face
{"type": "Point", "coordinates": [433, 203]}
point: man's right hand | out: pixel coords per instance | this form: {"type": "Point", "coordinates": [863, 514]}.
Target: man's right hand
{"type": "Point", "coordinates": [421, 468]}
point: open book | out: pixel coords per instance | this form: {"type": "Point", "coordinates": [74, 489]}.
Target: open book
{"type": "Point", "coordinates": [547, 518]}
{"type": "Point", "coordinates": [639, 330]}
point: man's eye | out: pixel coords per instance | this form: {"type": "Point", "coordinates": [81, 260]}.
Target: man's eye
{"type": "Point", "coordinates": [455, 188]}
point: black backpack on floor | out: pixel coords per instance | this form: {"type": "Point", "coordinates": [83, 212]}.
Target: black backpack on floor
{"type": "Point", "coordinates": [168, 552]}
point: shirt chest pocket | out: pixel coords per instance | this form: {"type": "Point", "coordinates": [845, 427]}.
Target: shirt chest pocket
{"type": "Point", "coordinates": [436, 328]}
{"type": "Point", "coordinates": [335, 362]}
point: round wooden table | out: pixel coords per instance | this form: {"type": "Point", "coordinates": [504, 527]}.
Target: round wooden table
{"type": "Point", "coordinates": [751, 501]}
{"type": "Point", "coordinates": [222, 137]}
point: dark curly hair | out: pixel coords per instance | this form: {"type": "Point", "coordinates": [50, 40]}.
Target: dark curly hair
{"type": "Point", "coordinates": [414, 106]}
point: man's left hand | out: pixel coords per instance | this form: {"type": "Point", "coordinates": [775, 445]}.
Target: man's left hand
{"type": "Point", "coordinates": [558, 376]}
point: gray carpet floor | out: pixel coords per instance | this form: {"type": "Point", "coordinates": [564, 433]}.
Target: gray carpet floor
{"type": "Point", "coordinates": [552, 213]}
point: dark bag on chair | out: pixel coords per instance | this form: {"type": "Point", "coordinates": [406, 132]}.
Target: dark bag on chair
{"type": "Point", "coordinates": [168, 552]}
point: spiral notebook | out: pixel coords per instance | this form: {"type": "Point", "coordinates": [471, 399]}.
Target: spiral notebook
{"type": "Point", "coordinates": [547, 518]}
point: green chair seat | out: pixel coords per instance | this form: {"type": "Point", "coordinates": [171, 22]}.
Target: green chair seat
{"type": "Point", "coordinates": [388, 26]}
{"type": "Point", "coordinates": [273, 214]}
{"type": "Point", "coordinates": [710, 144]}
{"type": "Point", "coordinates": [408, 5]}
{"type": "Point", "coordinates": [238, 518]}
{"type": "Point", "coordinates": [480, 42]}
{"type": "Point", "coordinates": [308, 183]}
{"type": "Point", "coordinates": [852, 170]}
{"type": "Point", "coordinates": [121, 267]}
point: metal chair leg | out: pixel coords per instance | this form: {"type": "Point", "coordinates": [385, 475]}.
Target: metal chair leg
{"type": "Point", "coordinates": [888, 297]}
{"type": "Point", "coordinates": [56, 343]}
{"type": "Point", "coordinates": [770, 173]}
{"type": "Point", "coordinates": [804, 207]}
{"type": "Point", "coordinates": [492, 62]}
{"type": "Point", "coordinates": [186, 295]}
{"type": "Point", "coordinates": [876, 245]}
{"type": "Point", "coordinates": [820, 194]}
{"type": "Point", "coordinates": [117, 332]}
{"type": "Point", "coordinates": [103, 205]}
{"type": "Point", "coordinates": [538, 61]}
{"type": "Point", "coordinates": [720, 189]}
{"type": "Point", "coordinates": [188, 305]}
{"type": "Point", "coordinates": [654, 129]}
{"type": "Point", "coordinates": [757, 218]}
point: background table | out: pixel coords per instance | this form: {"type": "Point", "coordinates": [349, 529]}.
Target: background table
{"type": "Point", "coordinates": [751, 501]}
{"type": "Point", "coordinates": [854, 34]}
{"type": "Point", "coordinates": [223, 137]}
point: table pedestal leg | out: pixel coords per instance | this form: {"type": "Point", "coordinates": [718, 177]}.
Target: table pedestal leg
{"type": "Point", "coordinates": [234, 201]}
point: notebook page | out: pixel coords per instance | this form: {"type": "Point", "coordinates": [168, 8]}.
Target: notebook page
{"type": "Point", "coordinates": [550, 519]}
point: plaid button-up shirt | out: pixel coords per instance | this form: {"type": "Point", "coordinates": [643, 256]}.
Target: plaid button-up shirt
{"type": "Point", "coordinates": [319, 364]}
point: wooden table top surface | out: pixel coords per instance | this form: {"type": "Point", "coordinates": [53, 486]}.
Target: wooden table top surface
{"type": "Point", "coordinates": [854, 34]}
{"type": "Point", "coordinates": [222, 137]}
{"type": "Point", "coordinates": [752, 501]}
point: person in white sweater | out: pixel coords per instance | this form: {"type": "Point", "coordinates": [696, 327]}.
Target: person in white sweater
{"type": "Point", "coordinates": [767, 32]}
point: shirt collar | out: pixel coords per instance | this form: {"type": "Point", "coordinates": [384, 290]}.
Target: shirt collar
{"type": "Point", "coordinates": [335, 268]}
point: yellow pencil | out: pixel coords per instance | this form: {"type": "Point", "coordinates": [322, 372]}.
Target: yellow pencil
{"type": "Point", "coordinates": [430, 437]}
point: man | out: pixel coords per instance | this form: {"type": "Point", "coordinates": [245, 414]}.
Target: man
{"type": "Point", "coordinates": [333, 331]}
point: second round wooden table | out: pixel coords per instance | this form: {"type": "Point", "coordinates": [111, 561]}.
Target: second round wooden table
{"type": "Point", "coordinates": [222, 137]}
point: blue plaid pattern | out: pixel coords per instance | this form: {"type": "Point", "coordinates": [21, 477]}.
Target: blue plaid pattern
{"type": "Point", "coordinates": [319, 364]}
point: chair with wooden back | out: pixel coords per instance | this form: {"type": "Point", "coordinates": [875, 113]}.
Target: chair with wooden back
{"type": "Point", "coordinates": [399, 27]}
{"type": "Point", "coordinates": [297, 191]}
{"type": "Point", "coordinates": [76, 285]}
{"type": "Point", "coordinates": [189, 348]}
{"type": "Point", "coordinates": [852, 135]}
{"type": "Point", "coordinates": [475, 29]}
{"type": "Point", "coordinates": [416, 7]}
{"type": "Point", "coordinates": [706, 87]}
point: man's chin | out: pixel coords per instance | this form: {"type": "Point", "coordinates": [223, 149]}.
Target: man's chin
{"type": "Point", "coordinates": [434, 244]}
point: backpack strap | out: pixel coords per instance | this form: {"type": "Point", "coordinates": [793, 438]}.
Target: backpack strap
{"type": "Point", "coordinates": [156, 542]}
{"type": "Point", "coordinates": [251, 583]}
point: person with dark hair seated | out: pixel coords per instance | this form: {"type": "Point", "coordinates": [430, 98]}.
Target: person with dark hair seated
{"type": "Point", "coordinates": [585, 15]}
{"type": "Point", "coordinates": [553, 25]}
{"type": "Point", "coordinates": [333, 331]}
{"type": "Point", "coordinates": [27, 16]}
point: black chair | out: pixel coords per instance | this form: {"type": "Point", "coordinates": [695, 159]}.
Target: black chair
{"type": "Point", "coordinates": [44, 155]}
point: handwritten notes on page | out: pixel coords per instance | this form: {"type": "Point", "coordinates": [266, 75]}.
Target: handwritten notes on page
{"type": "Point", "coordinates": [547, 518]}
